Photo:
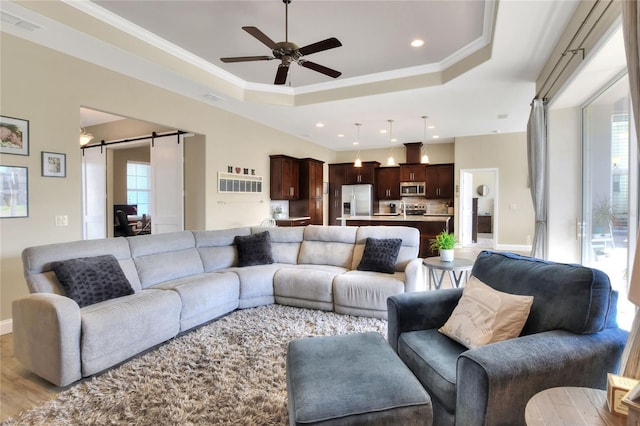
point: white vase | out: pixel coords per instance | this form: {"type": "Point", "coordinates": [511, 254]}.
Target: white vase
{"type": "Point", "coordinates": [446, 255]}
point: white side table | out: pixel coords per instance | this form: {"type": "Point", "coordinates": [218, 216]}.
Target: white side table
{"type": "Point", "coordinates": [458, 271]}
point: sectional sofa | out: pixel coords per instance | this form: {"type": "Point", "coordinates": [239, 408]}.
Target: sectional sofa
{"type": "Point", "coordinates": [181, 280]}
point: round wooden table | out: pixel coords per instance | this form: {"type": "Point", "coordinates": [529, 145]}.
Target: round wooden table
{"type": "Point", "coordinates": [457, 270]}
{"type": "Point", "coordinates": [570, 406]}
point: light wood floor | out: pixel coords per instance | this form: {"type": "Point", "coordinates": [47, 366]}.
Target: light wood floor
{"type": "Point", "coordinates": [22, 390]}
{"type": "Point", "coordinates": [19, 389]}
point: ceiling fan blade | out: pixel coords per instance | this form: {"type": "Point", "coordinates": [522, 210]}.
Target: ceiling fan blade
{"type": "Point", "coordinates": [320, 68]}
{"type": "Point", "coordinates": [327, 44]}
{"type": "Point", "coordinates": [246, 59]}
{"type": "Point", "coordinates": [261, 36]}
{"type": "Point", "coordinates": [281, 75]}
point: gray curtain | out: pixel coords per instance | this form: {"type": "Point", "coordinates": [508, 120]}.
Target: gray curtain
{"type": "Point", "coordinates": [537, 150]}
{"type": "Point", "coordinates": [630, 366]}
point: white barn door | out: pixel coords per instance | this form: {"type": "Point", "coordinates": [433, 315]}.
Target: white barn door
{"type": "Point", "coordinates": [94, 193]}
{"type": "Point", "coordinates": [167, 183]}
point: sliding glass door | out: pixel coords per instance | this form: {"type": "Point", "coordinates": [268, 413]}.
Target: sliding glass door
{"type": "Point", "coordinates": [610, 194]}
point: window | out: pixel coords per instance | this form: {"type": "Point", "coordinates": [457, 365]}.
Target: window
{"type": "Point", "coordinates": [609, 162]}
{"type": "Point", "coordinates": [139, 185]}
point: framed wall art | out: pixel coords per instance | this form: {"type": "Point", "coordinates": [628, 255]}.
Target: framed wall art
{"type": "Point", "coordinates": [14, 136]}
{"type": "Point", "coordinates": [54, 164]}
{"type": "Point", "coordinates": [15, 192]}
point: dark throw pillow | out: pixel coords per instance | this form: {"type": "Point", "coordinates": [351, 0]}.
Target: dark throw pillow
{"type": "Point", "coordinates": [380, 255]}
{"type": "Point", "coordinates": [254, 249]}
{"type": "Point", "coordinates": [90, 280]}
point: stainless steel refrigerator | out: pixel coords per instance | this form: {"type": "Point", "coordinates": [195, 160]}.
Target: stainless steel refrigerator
{"type": "Point", "coordinates": [357, 200]}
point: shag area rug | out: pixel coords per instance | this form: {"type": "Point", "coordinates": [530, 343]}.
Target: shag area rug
{"type": "Point", "coordinates": [231, 371]}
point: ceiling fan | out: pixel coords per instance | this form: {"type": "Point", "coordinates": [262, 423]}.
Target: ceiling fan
{"type": "Point", "coordinates": [289, 52]}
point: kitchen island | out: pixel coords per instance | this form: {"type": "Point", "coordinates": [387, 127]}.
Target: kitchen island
{"type": "Point", "coordinates": [429, 226]}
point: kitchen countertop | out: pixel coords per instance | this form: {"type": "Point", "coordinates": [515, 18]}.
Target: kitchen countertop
{"type": "Point", "coordinates": [294, 218]}
{"type": "Point", "coordinates": [402, 218]}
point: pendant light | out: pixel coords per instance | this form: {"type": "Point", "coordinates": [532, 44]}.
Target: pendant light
{"type": "Point", "coordinates": [85, 137]}
{"type": "Point", "coordinates": [358, 162]}
{"type": "Point", "coordinates": [390, 160]}
{"type": "Point", "coordinates": [425, 156]}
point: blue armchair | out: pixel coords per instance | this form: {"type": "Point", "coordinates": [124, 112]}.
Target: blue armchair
{"type": "Point", "coordinates": [571, 338]}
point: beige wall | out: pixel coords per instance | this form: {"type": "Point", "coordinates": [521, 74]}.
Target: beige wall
{"type": "Point", "coordinates": [48, 89]}
{"type": "Point", "coordinates": [507, 153]}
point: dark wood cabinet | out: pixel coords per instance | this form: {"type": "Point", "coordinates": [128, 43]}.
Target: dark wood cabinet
{"type": "Point", "coordinates": [284, 177]}
{"type": "Point", "coordinates": [484, 224]}
{"type": "Point", "coordinates": [292, 222]}
{"type": "Point", "coordinates": [345, 174]}
{"type": "Point", "coordinates": [309, 202]}
{"type": "Point", "coordinates": [413, 172]}
{"type": "Point", "coordinates": [439, 179]}
{"type": "Point", "coordinates": [364, 174]}
{"type": "Point", "coordinates": [388, 183]}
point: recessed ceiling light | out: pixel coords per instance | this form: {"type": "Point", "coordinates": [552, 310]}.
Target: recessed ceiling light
{"type": "Point", "coordinates": [431, 127]}
{"type": "Point", "coordinates": [502, 116]}
{"type": "Point", "coordinates": [417, 42]}
{"type": "Point", "coordinates": [341, 135]}
{"type": "Point", "coordinates": [436, 137]}
{"type": "Point", "coordinates": [356, 143]}
{"type": "Point", "coordinates": [383, 131]}
{"type": "Point", "coordinates": [319, 124]}
{"type": "Point", "coordinates": [394, 140]}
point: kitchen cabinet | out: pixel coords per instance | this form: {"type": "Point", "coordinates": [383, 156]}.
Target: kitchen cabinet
{"type": "Point", "coordinates": [412, 172]}
{"type": "Point", "coordinates": [345, 174]}
{"type": "Point", "coordinates": [439, 179]}
{"type": "Point", "coordinates": [364, 174]}
{"type": "Point", "coordinates": [309, 202]}
{"type": "Point", "coordinates": [387, 183]}
{"type": "Point", "coordinates": [284, 177]}
{"type": "Point", "coordinates": [297, 221]}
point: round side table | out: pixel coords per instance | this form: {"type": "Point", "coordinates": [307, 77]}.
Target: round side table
{"type": "Point", "coordinates": [570, 406]}
{"type": "Point", "coordinates": [457, 271]}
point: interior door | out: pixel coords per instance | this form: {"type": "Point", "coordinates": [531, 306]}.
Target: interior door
{"type": "Point", "coordinates": [94, 193]}
{"type": "Point", "coordinates": [466, 208]}
{"type": "Point", "coordinates": [167, 183]}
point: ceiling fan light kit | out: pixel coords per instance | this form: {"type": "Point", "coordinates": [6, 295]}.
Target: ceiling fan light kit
{"type": "Point", "coordinates": [288, 52]}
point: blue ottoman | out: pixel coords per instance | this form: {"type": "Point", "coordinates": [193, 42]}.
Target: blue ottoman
{"type": "Point", "coordinates": [352, 379]}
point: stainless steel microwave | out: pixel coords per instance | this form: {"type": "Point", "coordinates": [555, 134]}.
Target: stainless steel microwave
{"type": "Point", "coordinates": [413, 189]}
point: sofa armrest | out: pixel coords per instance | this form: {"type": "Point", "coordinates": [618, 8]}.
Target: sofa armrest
{"type": "Point", "coordinates": [421, 310]}
{"type": "Point", "coordinates": [496, 381]}
{"type": "Point", "coordinates": [46, 336]}
{"type": "Point", "coordinates": [414, 276]}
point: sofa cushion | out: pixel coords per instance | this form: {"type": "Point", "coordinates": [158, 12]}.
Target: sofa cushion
{"type": "Point", "coordinates": [90, 280]}
{"type": "Point", "coordinates": [216, 247]}
{"type": "Point", "coordinates": [285, 242]}
{"type": "Point", "coordinates": [366, 293]}
{"type": "Point", "coordinates": [254, 249]}
{"type": "Point", "coordinates": [433, 358]}
{"type": "Point", "coordinates": [328, 245]}
{"type": "Point", "coordinates": [380, 255]}
{"type": "Point", "coordinates": [408, 250]}
{"type": "Point", "coordinates": [485, 315]}
{"type": "Point", "coordinates": [567, 297]}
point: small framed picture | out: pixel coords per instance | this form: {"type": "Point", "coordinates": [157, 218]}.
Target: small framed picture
{"type": "Point", "coordinates": [14, 136]}
{"type": "Point", "coordinates": [54, 164]}
{"type": "Point", "coordinates": [15, 192]}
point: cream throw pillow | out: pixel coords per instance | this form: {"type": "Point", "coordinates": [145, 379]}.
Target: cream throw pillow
{"type": "Point", "coordinates": [485, 315]}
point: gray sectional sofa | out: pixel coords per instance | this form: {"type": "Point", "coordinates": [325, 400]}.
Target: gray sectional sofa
{"type": "Point", "coordinates": [181, 280]}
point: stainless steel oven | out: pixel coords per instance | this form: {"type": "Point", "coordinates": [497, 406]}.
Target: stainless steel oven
{"type": "Point", "coordinates": [413, 189]}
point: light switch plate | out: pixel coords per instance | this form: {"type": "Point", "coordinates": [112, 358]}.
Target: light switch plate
{"type": "Point", "coordinates": [62, 220]}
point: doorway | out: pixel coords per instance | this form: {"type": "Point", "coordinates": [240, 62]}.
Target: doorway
{"type": "Point", "coordinates": [105, 177]}
{"type": "Point", "coordinates": [478, 212]}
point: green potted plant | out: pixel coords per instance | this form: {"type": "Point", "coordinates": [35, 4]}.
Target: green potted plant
{"type": "Point", "coordinates": [277, 212]}
{"type": "Point", "coordinates": [444, 243]}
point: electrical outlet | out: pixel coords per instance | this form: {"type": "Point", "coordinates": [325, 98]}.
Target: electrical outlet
{"type": "Point", "coordinates": [62, 220]}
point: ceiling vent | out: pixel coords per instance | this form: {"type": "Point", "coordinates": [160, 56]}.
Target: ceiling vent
{"type": "Point", "coordinates": [18, 22]}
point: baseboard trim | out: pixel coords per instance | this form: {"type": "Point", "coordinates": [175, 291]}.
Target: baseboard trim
{"type": "Point", "coordinates": [514, 247]}
{"type": "Point", "coordinates": [6, 326]}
